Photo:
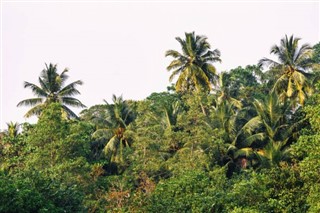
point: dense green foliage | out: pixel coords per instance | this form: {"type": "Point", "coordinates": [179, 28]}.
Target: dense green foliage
{"type": "Point", "coordinates": [246, 140]}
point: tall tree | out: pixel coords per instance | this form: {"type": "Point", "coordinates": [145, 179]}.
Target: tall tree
{"type": "Point", "coordinates": [291, 69]}
{"type": "Point", "coordinates": [224, 93]}
{"type": "Point", "coordinates": [307, 149]}
{"type": "Point", "coordinates": [245, 83]}
{"type": "Point", "coordinates": [272, 130]}
{"type": "Point", "coordinates": [118, 116]}
{"type": "Point", "coordinates": [52, 89]}
{"type": "Point", "coordinates": [194, 64]}
{"type": "Point", "coordinates": [167, 117]}
{"type": "Point", "coordinates": [316, 55]}
{"type": "Point", "coordinates": [227, 119]}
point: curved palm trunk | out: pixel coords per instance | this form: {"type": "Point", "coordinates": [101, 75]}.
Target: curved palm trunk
{"type": "Point", "coordinates": [203, 109]}
{"type": "Point", "coordinates": [198, 92]}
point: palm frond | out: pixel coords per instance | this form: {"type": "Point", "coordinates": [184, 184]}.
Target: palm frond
{"type": "Point", "coordinates": [183, 46]}
{"type": "Point", "coordinates": [243, 152]}
{"type": "Point", "coordinates": [280, 83]}
{"type": "Point", "coordinates": [200, 77]}
{"type": "Point", "coordinates": [69, 112]}
{"type": "Point", "coordinates": [251, 125]}
{"type": "Point", "coordinates": [253, 138]}
{"type": "Point", "coordinates": [72, 102]}
{"type": "Point", "coordinates": [290, 88]}
{"type": "Point", "coordinates": [176, 72]}
{"type": "Point", "coordinates": [70, 89]}
{"type": "Point", "coordinates": [68, 92]}
{"type": "Point", "coordinates": [210, 69]}
{"type": "Point", "coordinates": [64, 76]}
{"type": "Point", "coordinates": [235, 102]}
{"type": "Point", "coordinates": [36, 110]}
{"type": "Point", "coordinates": [111, 147]}
{"type": "Point", "coordinates": [104, 133]}
{"type": "Point", "coordinates": [35, 89]}
{"type": "Point", "coordinates": [268, 63]}
{"type": "Point", "coordinates": [299, 78]}
{"type": "Point", "coordinates": [173, 53]}
{"type": "Point", "coordinates": [182, 80]}
{"type": "Point", "coordinates": [43, 86]}
{"type": "Point", "coordinates": [305, 52]}
{"type": "Point", "coordinates": [30, 102]}
{"type": "Point", "coordinates": [175, 64]}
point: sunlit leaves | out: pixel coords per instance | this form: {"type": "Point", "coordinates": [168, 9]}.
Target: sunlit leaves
{"type": "Point", "coordinates": [291, 69]}
{"type": "Point", "coordinates": [194, 65]}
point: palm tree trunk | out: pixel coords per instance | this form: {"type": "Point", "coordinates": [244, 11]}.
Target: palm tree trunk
{"type": "Point", "coordinates": [203, 109]}
{"type": "Point", "coordinates": [201, 105]}
{"type": "Point", "coordinates": [121, 151]}
{"type": "Point", "coordinates": [144, 154]}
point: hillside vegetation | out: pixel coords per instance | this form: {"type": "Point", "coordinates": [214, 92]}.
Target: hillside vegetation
{"type": "Point", "coordinates": [242, 140]}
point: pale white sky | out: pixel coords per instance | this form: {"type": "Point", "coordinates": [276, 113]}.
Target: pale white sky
{"type": "Point", "coordinates": [118, 48]}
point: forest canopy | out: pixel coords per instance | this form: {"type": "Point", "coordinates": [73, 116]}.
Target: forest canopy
{"type": "Point", "coordinates": [241, 140]}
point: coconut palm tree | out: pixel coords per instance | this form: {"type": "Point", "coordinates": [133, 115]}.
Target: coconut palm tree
{"type": "Point", "coordinates": [194, 65]}
{"type": "Point", "coordinates": [291, 69]}
{"type": "Point", "coordinates": [52, 89]}
{"type": "Point", "coordinates": [12, 129]}
{"type": "Point", "coordinates": [270, 123]}
{"type": "Point", "coordinates": [270, 133]}
{"type": "Point", "coordinates": [227, 119]}
{"type": "Point", "coordinates": [262, 140]}
{"type": "Point", "coordinates": [167, 115]}
{"type": "Point", "coordinates": [118, 116]}
{"type": "Point", "coordinates": [223, 117]}
{"type": "Point", "coordinates": [273, 153]}
{"type": "Point", "coordinates": [224, 93]}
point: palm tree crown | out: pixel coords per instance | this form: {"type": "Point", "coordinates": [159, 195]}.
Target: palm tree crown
{"type": "Point", "coordinates": [118, 116]}
{"type": "Point", "coordinates": [52, 90]}
{"type": "Point", "coordinates": [12, 129]}
{"type": "Point", "coordinates": [194, 64]}
{"type": "Point", "coordinates": [291, 69]}
{"type": "Point", "coordinates": [271, 131]}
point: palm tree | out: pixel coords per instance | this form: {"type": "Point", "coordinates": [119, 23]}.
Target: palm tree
{"type": "Point", "coordinates": [52, 90]}
{"type": "Point", "coordinates": [226, 117]}
{"type": "Point", "coordinates": [118, 116]}
{"type": "Point", "coordinates": [224, 93]}
{"type": "Point", "coordinates": [270, 133]}
{"type": "Point", "coordinates": [243, 140]}
{"type": "Point", "coordinates": [167, 115]}
{"type": "Point", "coordinates": [194, 64]}
{"type": "Point", "coordinates": [291, 69]}
{"type": "Point", "coordinates": [12, 129]}
{"type": "Point", "coordinates": [273, 153]}
{"type": "Point", "coordinates": [11, 142]}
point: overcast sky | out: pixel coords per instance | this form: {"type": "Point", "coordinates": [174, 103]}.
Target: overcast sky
{"type": "Point", "coordinates": [118, 48]}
